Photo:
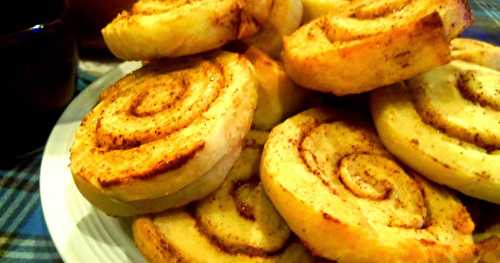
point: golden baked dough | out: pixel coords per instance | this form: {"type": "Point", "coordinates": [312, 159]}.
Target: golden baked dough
{"type": "Point", "coordinates": [475, 51]}
{"type": "Point", "coordinates": [161, 28]}
{"type": "Point", "coordinates": [278, 96]}
{"type": "Point", "coordinates": [284, 18]}
{"type": "Point", "coordinates": [164, 135]}
{"type": "Point", "coordinates": [373, 44]}
{"type": "Point", "coordinates": [446, 124]}
{"type": "Point", "coordinates": [198, 189]}
{"type": "Point", "coordinates": [237, 223]}
{"type": "Point", "coordinates": [317, 8]}
{"type": "Point", "coordinates": [348, 200]}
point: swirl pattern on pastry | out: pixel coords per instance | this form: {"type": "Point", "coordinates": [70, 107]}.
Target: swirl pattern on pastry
{"type": "Point", "coordinates": [340, 191]}
{"type": "Point", "coordinates": [278, 96]}
{"type": "Point", "coordinates": [475, 51]}
{"type": "Point", "coordinates": [446, 124]}
{"type": "Point", "coordinates": [237, 223]}
{"type": "Point", "coordinates": [159, 28]}
{"type": "Point", "coordinates": [373, 43]}
{"type": "Point", "coordinates": [284, 18]}
{"type": "Point", "coordinates": [161, 129]}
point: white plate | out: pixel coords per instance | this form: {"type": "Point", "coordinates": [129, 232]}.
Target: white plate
{"type": "Point", "coordinates": [80, 232]}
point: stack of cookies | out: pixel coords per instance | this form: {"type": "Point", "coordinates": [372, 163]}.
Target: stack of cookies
{"type": "Point", "coordinates": [207, 149]}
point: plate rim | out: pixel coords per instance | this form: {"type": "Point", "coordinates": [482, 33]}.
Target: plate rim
{"type": "Point", "coordinates": [92, 91]}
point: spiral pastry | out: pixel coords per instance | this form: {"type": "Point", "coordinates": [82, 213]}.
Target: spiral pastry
{"type": "Point", "coordinates": [284, 18]}
{"type": "Point", "coordinates": [278, 96]}
{"type": "Point", "coordinates": [165, 135]}
{"type": "Point", "coordinates": [348, 200]}
{"type": "Point", "coordinates": [373, 44]}
{"type": "Point", "coordinates": [446, 125]}
{"type": "Point", "coordinates": [237, 223]}
{"type": "Point", "coordinates": [476, 52]}
{"type": "Point", "coordinates": [160, 28]}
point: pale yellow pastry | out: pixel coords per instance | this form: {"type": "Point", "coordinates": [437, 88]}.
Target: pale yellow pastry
{"type": "Point", "coordinates": [278, 96]}
{"type": "Point", "coordinates": [317, 8]}
{"type": "Point", "coordinates": [349, 200]}
{"type": "Point", "coordinates": [284, 18]}
{"type": "Point", "coordinates": [164, 135]}
{"type": "Point", "coordinates": [161, 28]}
{"type": "Point", "coordinates": [374, 44]}
{"type": "Point", "coordinates": [475, 51]}
{"type": "Point", "coordinates": [237, 223]}
{"type": "Point", "coordinates": [446, 124]}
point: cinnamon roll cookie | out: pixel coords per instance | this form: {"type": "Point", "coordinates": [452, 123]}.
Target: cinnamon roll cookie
{"type": "Point", "coordinates": [348, 200]}
{"type": "Point", "coordinates": [284, 18]}
{"type": "Point", "coordinates": [278, 96]}
{"type": "Point", "coordinates": [446, 124]}
{"type": "Point", "coordinates": [475, 51]}
{"type": "Point", "coordinates": [373, 43]}
{"type": "Point", "coordinates": [237, 223]}
{"type": "Point", "coordinates": [160, 28]}
{"type": "Point", "coordinates": [164, 135]}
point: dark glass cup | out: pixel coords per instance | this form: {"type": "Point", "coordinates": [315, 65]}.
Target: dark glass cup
{"type": "Point", "coordinates": [90, 17]}
{"type": "Point", "coordinates": [39, 59]}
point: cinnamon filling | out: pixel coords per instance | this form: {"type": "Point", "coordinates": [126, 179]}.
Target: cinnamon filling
{"type": "Point", "coordinates": [234, 249]}
{"type": "Point", "coordinates": [244, 208]}
{"type": "Point", "coordinates": [352, 164]}
{"type": "Point", "coordinates": [158, 107]}
{"type": "Point", "coordinates": [474, 88]}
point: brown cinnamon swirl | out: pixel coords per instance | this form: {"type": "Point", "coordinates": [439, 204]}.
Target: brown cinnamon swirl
{"type": "Point", "coordinates": [159, 28]}
{"type": "Point", "coordinates": [348, 200]}
{"type": "Point", "coordinates": [237, 223]}
{"type": "Point", "coordinates": [446, 124]}
{"type": "Point", "coordinates": [370, 44]}
{"type": "Point", "coordinates": [164, 135]}
{"type": "Point", "coordinates": [475, 51]}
